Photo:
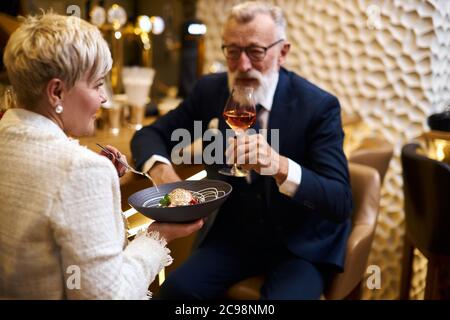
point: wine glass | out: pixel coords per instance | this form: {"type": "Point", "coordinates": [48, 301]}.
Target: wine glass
{"type": "Point", "coordinates": [240, 114]}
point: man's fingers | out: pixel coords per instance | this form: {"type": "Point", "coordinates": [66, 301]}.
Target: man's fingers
{"type": "Point", "coordinates": [230, 154]}
{"type": "Point", "coordinates": [246, 150]}
{"type": "Point", "coordinates": [230, 148]}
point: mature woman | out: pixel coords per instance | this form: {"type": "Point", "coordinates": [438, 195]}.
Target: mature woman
{"type": "Point", "coordinates": [61, 230]}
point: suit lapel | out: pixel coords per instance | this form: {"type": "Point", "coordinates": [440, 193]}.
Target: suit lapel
{"type": "Point", "coordinates": [281, 118]}
{"type": "Point", "coordinates": [281, 114]}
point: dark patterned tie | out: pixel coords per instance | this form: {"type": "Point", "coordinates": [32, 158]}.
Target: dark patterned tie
{"type": "Point", "coordinates": [257, 126]}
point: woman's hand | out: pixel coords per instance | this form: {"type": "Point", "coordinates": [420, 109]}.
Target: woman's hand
{"type": "Point", "coordinates": [172, 231]}
{"type": "Point", "coordinates": [121, 169]}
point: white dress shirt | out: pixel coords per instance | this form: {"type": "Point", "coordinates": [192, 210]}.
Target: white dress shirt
{"type": "Point", "coordinates": [292, 182]}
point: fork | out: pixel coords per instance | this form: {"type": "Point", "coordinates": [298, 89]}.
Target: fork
{"type": "Point", "coordinates": [126, 165]}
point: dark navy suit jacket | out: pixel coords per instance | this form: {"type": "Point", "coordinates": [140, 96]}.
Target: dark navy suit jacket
{"type": "Point", "coordinates": [315, 223]}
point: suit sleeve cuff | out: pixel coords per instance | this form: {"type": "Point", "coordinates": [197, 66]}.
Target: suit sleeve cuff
{"type": "Point", "coordinates": [292, 182]}
{"type": "Point", "coordinates": [151, 162]}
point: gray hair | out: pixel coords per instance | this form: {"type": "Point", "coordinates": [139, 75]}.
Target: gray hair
{"type": "Point", "coordinates": [246, 12]}
{"type": "Point", "coordinates": [51, 46]}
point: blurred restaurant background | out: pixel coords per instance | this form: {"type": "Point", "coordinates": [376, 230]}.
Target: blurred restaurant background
{"type": "Point", "coordinates": [388, 62]}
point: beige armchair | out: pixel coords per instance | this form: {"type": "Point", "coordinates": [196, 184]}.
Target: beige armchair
{"type": "Point", "coordinates": [366, 186]}
{"type": "Point", "coordinates": [375, 153]}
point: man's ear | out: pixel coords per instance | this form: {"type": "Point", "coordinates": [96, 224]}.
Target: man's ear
{"type": "Point", "coordinates": [284, 52]}
{"type": "Point", "coordinates": [55, 91]}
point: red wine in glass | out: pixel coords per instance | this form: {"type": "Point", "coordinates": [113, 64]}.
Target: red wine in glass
{"type": "Point", "coordinates": [240, 114]}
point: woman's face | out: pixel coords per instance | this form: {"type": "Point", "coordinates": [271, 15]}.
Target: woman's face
{"type": "Point", "coordinates": [81, 104]}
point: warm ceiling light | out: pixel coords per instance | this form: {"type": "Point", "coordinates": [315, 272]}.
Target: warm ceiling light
{"type": "Point", "coordinates": [440, 149]}
{"type": "Point", "coordinates": [158, 24]}
{"type": "Point", "coordinates": [117, 16]}
{"type": "Point", "coordinates": [144, 23]}
{"type": "Point", "coordinates": [98, 16]}
{"type": "Point", "coordinates": [197, 29]}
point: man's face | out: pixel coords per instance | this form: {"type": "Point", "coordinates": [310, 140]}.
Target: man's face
{"type": "Point", "coordinates": [259, 32]}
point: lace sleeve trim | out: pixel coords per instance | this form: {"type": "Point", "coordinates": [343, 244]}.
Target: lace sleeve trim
{"type": "Point", "coordinates": [161, 243]}
{"type": "Point", "coordinates": [155, 235]}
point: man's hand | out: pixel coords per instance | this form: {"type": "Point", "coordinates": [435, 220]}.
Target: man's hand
{"type": "Point", "coordinates": [252, 152]}
{"type": "Point", "coordinates": [162, 173]}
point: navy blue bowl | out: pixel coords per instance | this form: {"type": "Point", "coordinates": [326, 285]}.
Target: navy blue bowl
{"type": "Point", "coordinates": [145, 201]}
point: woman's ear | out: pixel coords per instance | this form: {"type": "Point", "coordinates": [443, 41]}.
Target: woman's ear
{"type": "Point", "coordinates": [55, 91]}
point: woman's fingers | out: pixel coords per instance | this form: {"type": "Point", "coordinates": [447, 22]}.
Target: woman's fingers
{"type": "Point", "coordinates": [172, 231]}
{"type": "Point", "coordinates": [113, 150]}
{"type": "Point", "coordinates": [113, 155]}
{"type": "Point", "coordinates": [185, 229]}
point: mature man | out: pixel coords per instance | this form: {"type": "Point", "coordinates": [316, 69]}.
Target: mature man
{"type": "Point", "coordinates": [290, 222]}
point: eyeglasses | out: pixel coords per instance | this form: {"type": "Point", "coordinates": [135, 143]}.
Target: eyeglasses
{"type": "Point", "coordinates": [254, 53]}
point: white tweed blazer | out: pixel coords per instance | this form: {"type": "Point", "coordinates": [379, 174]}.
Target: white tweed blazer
{"type": "Point", "coordinates": [62, 234]}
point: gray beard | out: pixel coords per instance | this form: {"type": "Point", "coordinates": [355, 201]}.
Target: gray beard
{"type": "Point", "coordinates": [265, 83]}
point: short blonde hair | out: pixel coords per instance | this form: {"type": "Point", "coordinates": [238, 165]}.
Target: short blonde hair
{"type": "Point", "coordinates": [51, 46]}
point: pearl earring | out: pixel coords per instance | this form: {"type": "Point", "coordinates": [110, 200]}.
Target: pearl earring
{"type": "Point", "coordinates": [59, 109]}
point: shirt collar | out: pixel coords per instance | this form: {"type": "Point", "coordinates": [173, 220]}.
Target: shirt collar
{"type": "Point", "coordinates": [268, 101]}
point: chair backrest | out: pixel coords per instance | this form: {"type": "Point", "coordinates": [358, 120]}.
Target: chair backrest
{"type": "Point", "coordinates": [365, 183]}
{"type": "Point", "coordinates": [375, 153]}
{"type": "Point", "coordinates": [368, 165]}
{"type": "Point", "coordinates": [426, 187]}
